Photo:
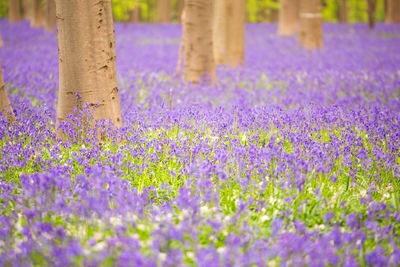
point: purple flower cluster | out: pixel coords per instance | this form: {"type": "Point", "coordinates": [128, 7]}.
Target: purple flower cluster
{"type": "Point", "coordinates": [292, 160]}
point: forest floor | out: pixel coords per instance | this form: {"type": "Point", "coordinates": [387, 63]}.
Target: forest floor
{"type": "Point", "coordinates": [291, 160]}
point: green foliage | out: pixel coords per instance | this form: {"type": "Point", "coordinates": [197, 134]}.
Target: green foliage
{"type": "Point", "coordinates": [121, 8]}
{"type": "Point", "coordinates": [251, 6]}
{"type": "Point", "coordinates": [3, 8]}
{"type": "Point", "coordinates": [357, 10]}
{"type": "Point", "coordinates": [330, 10]}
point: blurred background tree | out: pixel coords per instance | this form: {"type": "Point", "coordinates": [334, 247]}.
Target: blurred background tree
{"type": "Point", "coordinates": [256, 10]}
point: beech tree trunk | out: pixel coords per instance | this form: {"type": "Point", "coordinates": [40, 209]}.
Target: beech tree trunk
{"type": "Point", "coordinates": [87, 60]}
{"type": "Point", "coordinates": [392, 11]}
{"type": "Point", "coordinates": [310, 24]}
{"type": "Point", "coordinates": [288, 17]}
{"type": "Point", "coordinates": [198, 41]}
{"type": "Point", "coordinates": [134, 15]}
{"type": "Point", "coordinates": [274, 13]}
{"type": "Point", "coordinates": [180, 55]}
{"type": "Point", "coordinates": [179, 8]}
{"type": "Point", "coordinates": [236, 31]}
{"type": "Point", "coordinates": [37, 19]}
{"type": "Point", "coordinates": [5, 106]}
{"type": "Point", "coordinates": [163, 10]}
{"type": "Point", "coordinates": [342, 11]}
{"type": "Point", "coordinates": [220, 31]}
{"type": "Point", "coordinates": [50, 15]}
{"type": "Point", "coordinates": [371, 13]}
{"type": "Point", "coordinates": [27, 9]}
{"type": "Point", "coordinates": [229, 30]}
{"type": "Point", "coordinates": [14, 10]}
{"type": "Point", "coordinates": [385, 6]}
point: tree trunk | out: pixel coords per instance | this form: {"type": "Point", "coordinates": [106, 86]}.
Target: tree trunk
{"type": "Point", "coordinates": [236, 30]}
{"type": "Point", "coordinates": [87, 61]}
{"type": "Point", "coordinates": [229, 29]}
{"type": "Point", "coordinates": [342, 11]}
{"type": "Point", "coordinates": [163, 11]}
{"type": "Point", "coordinates": [220, 31]}
{"type": "Point", "coordinates": [274, 13]}
{"type": "Point", "coordinates": [14, 10]}
{"type": "Point", "coordinates": [198, 42]}
{"type": "Point", "coordinates": [288, 17]}
{"type": "Point", "coordinates": [310, 24]}
{"type": "Point", "coordinates": [37, 14]}
{"type": "Point", "coordinates": [393, 11]}
{"type": "Point", "coordinates": [1, 41]}
{"type": "Point", "coordinates": [50, 15]}
{"type": "Point", "coordinates": [5, 106]}
{"type": "Point", "coordinates": [27, 9]}
{"type": "Point", "coordinates": [134, 15]}
{"type": "Point", "coordinates": [179, 9]}
{"type": "Point", "coordinates": [385, 5]}
{"type": "Point", "coordinates": [183, 21]}
{"type": "Point", "coordinates": [371, 13]}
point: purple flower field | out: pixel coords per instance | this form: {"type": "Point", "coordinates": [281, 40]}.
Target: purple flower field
{"type": "Point", "coordinates": [292, 160]}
